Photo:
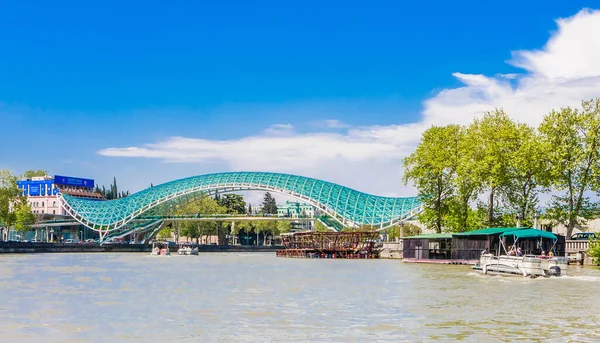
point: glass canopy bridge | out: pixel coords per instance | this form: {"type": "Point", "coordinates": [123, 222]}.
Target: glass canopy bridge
{"type": "Point", "coordinates": [344, 205]}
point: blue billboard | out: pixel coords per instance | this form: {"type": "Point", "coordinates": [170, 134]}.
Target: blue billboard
{"type": "Point", "coordinates": [35, 188]}
{"type": "Point", "coordinates": [73, 181]}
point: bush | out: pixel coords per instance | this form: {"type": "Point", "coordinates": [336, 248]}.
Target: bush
{"type": "Point", "coordinates": [594, 249]}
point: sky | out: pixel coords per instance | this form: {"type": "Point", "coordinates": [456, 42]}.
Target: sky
{"type": "Point", "coordinates": [149, 91]}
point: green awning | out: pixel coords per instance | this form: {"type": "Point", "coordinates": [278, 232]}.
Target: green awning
{"type": "Point", "coordinates": [432, 236]}
{"type": "Point", "coordinates": [530, 233]}
{"type": "Point", "coordinates": [490, 231]}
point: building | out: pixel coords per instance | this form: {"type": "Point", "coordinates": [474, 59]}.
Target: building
{"type": "Point", "coordinates": [293, 209]}
{"type": "Point", "coordinates": [42, 191]}
{"type": "Point", "coordinates": [52, 221]}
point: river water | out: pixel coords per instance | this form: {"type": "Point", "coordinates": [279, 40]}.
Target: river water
{"type": "Point", "coordinates": [258, 297]}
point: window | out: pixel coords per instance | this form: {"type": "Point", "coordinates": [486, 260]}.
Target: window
{"type": "Point", "coordinates": [42, 211]}
{"type": "Point", "coordinates": [54, 204]}
{"type": "Point", "coordinates": [53, 211]}
{"type": "Point", "coordinates": [42, 204]}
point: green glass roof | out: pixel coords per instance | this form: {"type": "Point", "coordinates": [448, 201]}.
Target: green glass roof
{"type": "Point", "coordinates": [342, 203]}
{"type": "Point", "coordinates": [489, 231]}
{"type": "Point", "coordinates": [530, 233]}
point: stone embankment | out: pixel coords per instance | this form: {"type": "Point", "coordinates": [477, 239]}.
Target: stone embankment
{"type": "Point", "coordinates": [27, 247]}
{"type": "Point", "coordinates": [392, 250]}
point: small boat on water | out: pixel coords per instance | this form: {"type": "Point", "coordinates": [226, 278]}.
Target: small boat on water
{"type": "Point", "coordinates": [187, 250]}
{"type": "Point", "coordinates": [512, 261]}
{"type": "Point", "coordinates": [160, 249]}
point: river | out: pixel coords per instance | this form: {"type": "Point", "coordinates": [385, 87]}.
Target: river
{"type": "Point", "coordinates": [255, 297]}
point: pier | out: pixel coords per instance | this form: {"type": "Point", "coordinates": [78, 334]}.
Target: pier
{"type": "Point", "coordinates": [350, 245]}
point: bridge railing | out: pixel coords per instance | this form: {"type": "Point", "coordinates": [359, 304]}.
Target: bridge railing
{"type": "Point", "coordinates": [573, 246]}
{"type": "Point", "coordinates": [229, 215]}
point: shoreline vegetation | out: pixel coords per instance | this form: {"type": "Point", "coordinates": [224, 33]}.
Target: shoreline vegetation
{"type": "Point", "coordinates": [491, 172]}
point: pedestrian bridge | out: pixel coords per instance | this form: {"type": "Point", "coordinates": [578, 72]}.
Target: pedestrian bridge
{"type": "Point", "coordinates": [347, 206]}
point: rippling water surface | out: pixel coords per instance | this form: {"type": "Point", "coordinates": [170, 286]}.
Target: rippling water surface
{"type": "Point", "coordinates": [261, 298]}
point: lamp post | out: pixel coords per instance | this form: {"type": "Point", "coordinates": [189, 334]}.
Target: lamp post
{"type": "Point", "coordinates": [536, 218]}
{"type": "Point", "coordinates": [518, 217]}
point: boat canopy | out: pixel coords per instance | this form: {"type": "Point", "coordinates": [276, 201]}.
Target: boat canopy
{"type": "Point", "coordinates": [530, 233]}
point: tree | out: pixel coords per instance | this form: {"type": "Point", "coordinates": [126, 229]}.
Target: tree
{"type": "Point", "coordinates": [113, 189]}
{"type": "Point", "coordinates": [201, 206]}
{"type": "Point", "coordinates": [573, 140]}
{"type": "Point", "coordinates": [269, 205]}
{"type": "Point", "coordinates": [527, 172]}
{"type": "Point", "coordinates": [165, 234]}
{"type": "Point", "coordinates": [34, 173]}
{"type": "Point", "coordinates": [24, 218]}
{"type": "Point", "coordinates": [250, 209]}
{"type": "Point", "coordinates": [494, 139]}
{"type": "Point", "coordinates": [234, 203]}
{"type": "Point", "coordinates": [432, 168]}
{"type": "Point", "coordinates": [113, 192]}
{"type": "Point", "coordinates": [319, 227]}
{"type": "Point", "coordinates": [8, 194]}
{"type": "Point", "coordinates": [594, 248]}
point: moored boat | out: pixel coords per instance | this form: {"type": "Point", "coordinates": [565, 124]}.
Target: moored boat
{"type": "Point", "coordinates": [187, 250]}
{"type": "Point", "coordinates": [160, 249]}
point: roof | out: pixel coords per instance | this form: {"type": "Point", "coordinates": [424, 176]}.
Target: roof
{"type": "Point", "coordinates": [346, 203]}
{"type": "Point", "coordinates": [432, 236]}
{"type": "Point", "coordinates": [530, 233]}
{"type": "Point", "coordinates": [489, 231]}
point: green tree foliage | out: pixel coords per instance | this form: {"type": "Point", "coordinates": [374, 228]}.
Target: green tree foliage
{"type": "Point", "coordinates": [432, 168]}
{"type": "Point", "coordinates": [511, 163]}
{"type": "Point", "coordinates": [24, 218]}
{"type": "Point", "coordinates": [573, 139]}
{"type": "Point", "coordinates": [34, 173]}
{"type": "Point", "coordinates": [165, 234]}
{"type": "Point", "coordinates": [113, 192]}
{"type": "Point", "coordinates": [319, 227]}
{"type": "Point", "coordinates": [467, 187]}
{"type": "Point", "coordinates": [197, 229]}
{"type": "Point", "coordinates": [594, 248]}
{"type": "Point", "coordinates": [269, 205]}
{"type": "Point", "coordinates": [8, 194]}
{"type": "Point", "coordinates": [234, 203]}
{"type": "Point", "coordinates": [495, 140]}
{"type": "Point", "coordinates": [527, 175]}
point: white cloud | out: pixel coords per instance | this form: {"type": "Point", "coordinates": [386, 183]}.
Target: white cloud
{"type": "Point", "coordinates": [331, 124]}
{"type": "Point", "coordinates": [279, 130]}
{"type": "Point", "coordinates": [564, 72]}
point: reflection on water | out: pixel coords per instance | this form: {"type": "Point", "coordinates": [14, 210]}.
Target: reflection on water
{"type": "Point", "coordinates": [260, 298]}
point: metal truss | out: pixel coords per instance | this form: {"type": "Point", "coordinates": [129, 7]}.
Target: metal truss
{"type": "Point", "coordinates": [347, 206]}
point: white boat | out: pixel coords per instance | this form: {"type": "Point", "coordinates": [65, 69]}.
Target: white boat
{"type": "Point", "coordinates": [187, 250]}
{"type": "Point", "coordinates": [160, 249]}
{"type": "Point", "coordinates": [527, 265]}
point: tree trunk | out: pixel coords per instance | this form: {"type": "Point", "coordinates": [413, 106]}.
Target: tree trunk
{"type": "Point", "coordinates": [491, 208]}
{"type": "Point", "coordinates": [570, 228]}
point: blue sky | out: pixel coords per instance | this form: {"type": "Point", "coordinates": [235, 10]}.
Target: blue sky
{"type": "Point", "coordinates": [79, 78]}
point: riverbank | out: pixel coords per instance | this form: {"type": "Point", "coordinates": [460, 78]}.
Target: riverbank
{"type": "Point", "coordinates": [29, 247]}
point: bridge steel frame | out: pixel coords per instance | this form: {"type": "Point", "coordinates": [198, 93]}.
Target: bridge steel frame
{"type": "Point", "coordinates": [347, 206]}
